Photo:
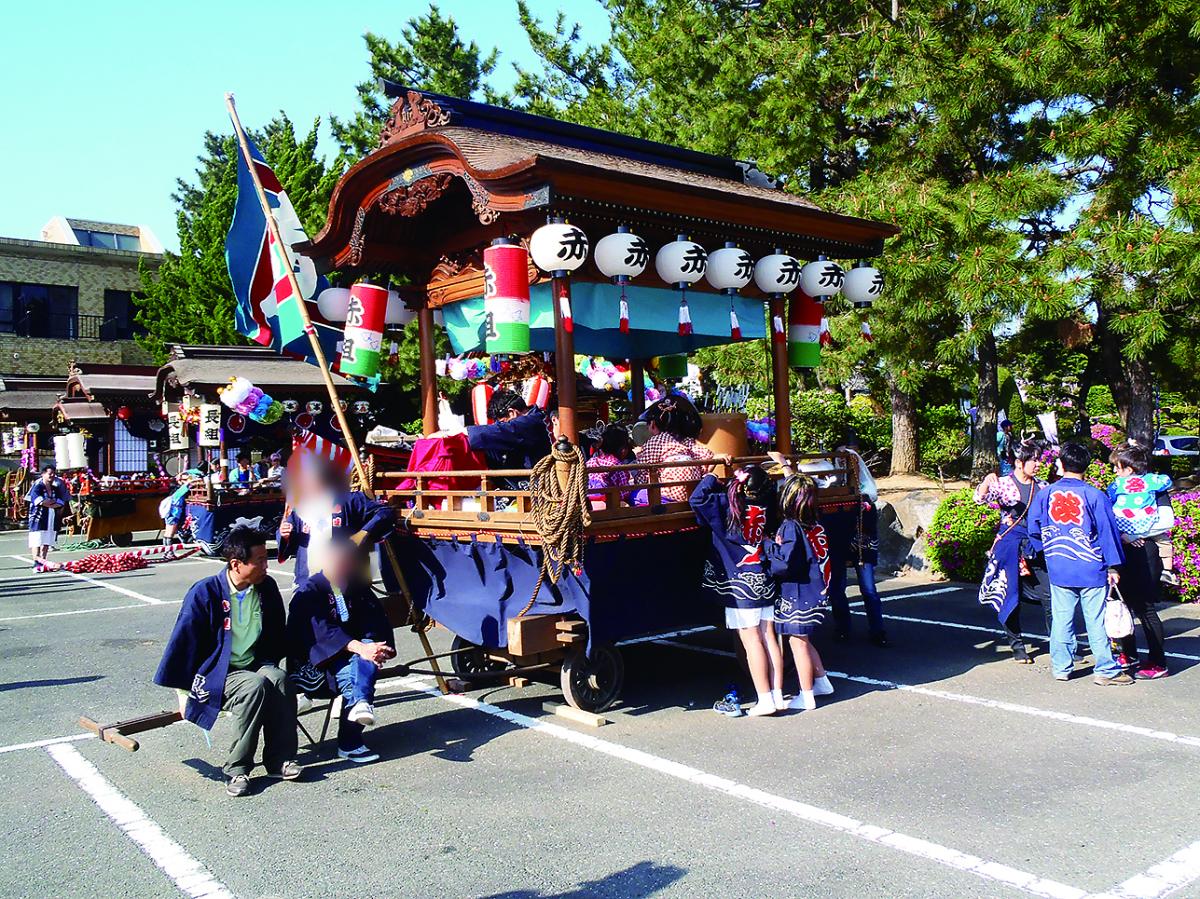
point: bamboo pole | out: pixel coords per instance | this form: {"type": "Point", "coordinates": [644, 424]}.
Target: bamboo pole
{"type": "Point", "coordinates": [327, 377]}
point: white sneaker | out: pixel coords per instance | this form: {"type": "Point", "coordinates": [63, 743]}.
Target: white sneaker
{"type": "Point", "coordinates": [362, 712]}
{"type": "Point", "coordinates": [360, 756]}
{"type": "Point", "coordinates": [799, 703]}
{"type": "Point", "coordinates": [303, 703]}
{"type": "Point", "coordinates": [761, 709]}
{"type": "Point", "coordinates": [822, 686]}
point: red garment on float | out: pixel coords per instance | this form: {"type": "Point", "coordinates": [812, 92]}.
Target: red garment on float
{"type": "Point", "coordinates": [447, 454]}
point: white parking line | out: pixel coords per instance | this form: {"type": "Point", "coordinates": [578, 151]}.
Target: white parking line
{"type": "Point", "coordinates": [132, 594]}
{"type": "Point", "coordinates": [1161, 880]}
{"type": "Point", "coordinates": [190, 876]}
{"type": "Point", "coordinates": [967, 699]}
{"type": "Point", "coordinates": [40, 744]}
{"type": "Point", "coordinates": [942, 855]}
{"type": "Point", "coordinates": [896, 596]}
{"type": "Point", "coordinates": [995, 630]}
{"type": "Point", "coordinates": [138, 605]}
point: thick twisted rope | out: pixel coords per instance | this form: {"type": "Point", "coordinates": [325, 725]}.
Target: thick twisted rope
{"type": "Point", "coordinates": [560, 512]}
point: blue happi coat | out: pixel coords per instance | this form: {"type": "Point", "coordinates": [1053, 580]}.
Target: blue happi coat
{"type": "Point", "coordinates": [799, 561]}
{"type": "Point", "coordinates": [39, 515]}
{"type": "Point", "coordinates": [317, 633]}
{"type": "Point", "coordinates": [517, 443]}
{"type": "Point", "coordinates": [1072, 522]}
{"type": "Point", "coordinates": [353, 511]}
{"type": "Point", "coordinates": [197, 654]}
{"type": "Point", "coordinates": [735, 572]}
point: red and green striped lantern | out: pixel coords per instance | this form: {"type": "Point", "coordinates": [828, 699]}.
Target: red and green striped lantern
{"type": "Point", "coordinates": [363, 342]}
{"type": "Point", "coordinates": [804, 331]}
{"type": "Point", "coordinates": [506, 296]}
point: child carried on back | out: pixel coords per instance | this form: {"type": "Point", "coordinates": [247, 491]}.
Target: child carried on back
{"type": "Point", "coordinates": [1137, 497]}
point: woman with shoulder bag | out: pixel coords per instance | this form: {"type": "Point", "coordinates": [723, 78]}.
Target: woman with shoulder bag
{"type": "Point", "coordinates": [1015, 572]}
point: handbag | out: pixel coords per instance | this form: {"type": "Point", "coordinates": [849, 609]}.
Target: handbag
{"type": "Point", "coordinates": [1118, 621]}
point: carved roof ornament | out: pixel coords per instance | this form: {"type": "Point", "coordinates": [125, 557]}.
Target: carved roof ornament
{"type": "Point", "coordinates": [411, 113]}
{"type": "Point", "coordinates": [358, 240]}
{"type": "Point", "coordinates": [415, 198]}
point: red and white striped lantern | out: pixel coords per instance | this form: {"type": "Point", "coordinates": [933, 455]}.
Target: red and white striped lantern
{"type": "Point", "coordinates": [481, 395]}
{"type": "Point", "coordinates": [537, 391]}
{"type": "Point", "coordinates": [362, 344]}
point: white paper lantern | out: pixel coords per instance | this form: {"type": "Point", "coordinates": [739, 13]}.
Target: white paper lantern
{"type": "Point", "coordinates": [398, 315]}
{"type": "Point", "coordinates": [729, 268]}
{"type": "Point", "coordinates": [622, 256]}
{"type": "Point", "coordinates": [558, 248]}
{"type": "Point", "coordinates": [76, 451]}
{"type": "Point", "coordinates": [681, 262]}
{"type": "Point", "coordinates": [821, 278]}
{"type": "Point", "coordinates": [62, 460]}
{"type": "Point", "coordinates": [777, 274]}
{"type": "Point", "coordinates": [863, 285]}
{"type": "Point", "coordinates": [333, 303]}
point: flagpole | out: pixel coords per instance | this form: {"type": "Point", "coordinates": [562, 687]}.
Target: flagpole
{"type": "Point", "coordinates": [326, 374]}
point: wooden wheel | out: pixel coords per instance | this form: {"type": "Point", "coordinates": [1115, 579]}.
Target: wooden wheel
{"type": "Point", "coordinates": [593, 684]}
{"type": "Point", "coordinates": [474, 663]}
{"type": "Point", "coordinates": [122, 539]}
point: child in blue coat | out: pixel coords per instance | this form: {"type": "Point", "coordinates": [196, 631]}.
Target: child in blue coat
{"type": "Point", "coordinates": [739, 517]}
{"type": "Point", "coordinates": [799, 560]}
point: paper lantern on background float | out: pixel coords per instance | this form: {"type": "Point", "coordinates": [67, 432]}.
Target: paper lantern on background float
{"type": "Point", "coordinates": [804, 332]}
{"type": "Point", "coordinates": [621, 257]}
{"type": "Point", "coordinates": [536, 391]}
{"type": "Point", "coordinates": [365, 320]}
{"type": "Point", "coordinates": [481, 395]}
{"type": "Point", "coordinates": [821, 278]}
{"type": "Point", "coordinates": [506, 296]}
{"type": "Point", "coordinates": [61, 460]}
{"type": "Point", "coordinates": [681, 263]}
{"type": "Point", "coordinates": [332, 303]}
{"type": "Point", "coordinates": [729, 270]}
{"type": "Point", "coordinates": [76, 451]}
{"type": "Point", "coordinates": [862, 285]}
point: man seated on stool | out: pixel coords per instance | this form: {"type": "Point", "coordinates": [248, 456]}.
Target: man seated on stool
{"type": "Point", "coordinates": [224, 654]}
{"type": "Point", "coordinates": [338, 627]}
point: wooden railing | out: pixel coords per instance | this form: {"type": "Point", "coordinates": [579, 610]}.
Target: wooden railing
{"type": "Point", "coordinates": [495, 508]}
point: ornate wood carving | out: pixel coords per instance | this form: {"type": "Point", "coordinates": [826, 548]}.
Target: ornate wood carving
{"type": "Point", "coordinates": [358, 240]}
{"type": "Point", "coordinates": [410, 114]}
{"type": "Point", "coordinates": [481, 201]}
{"type": "Point", "coordinates": [415, 198]}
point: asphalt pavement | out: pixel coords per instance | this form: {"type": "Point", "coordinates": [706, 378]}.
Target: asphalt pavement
{"type": "Point", "coordinates": [939, 768]}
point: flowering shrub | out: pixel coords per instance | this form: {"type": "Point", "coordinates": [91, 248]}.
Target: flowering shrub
{"type": "Point", "coordinates": [1099, 474]}
{"type": "Point", "coordinates": [960, 536]}
{"type": "Point", "coordinates": [1107, 435]}
{"type": "Point", "coordinates": [1186, 540]}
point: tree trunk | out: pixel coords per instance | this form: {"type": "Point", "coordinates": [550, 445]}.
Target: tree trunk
{"type": "Point", "coordinates": [904, 431]}
{"type": "Point", "coordinates": [1131, 381]}
{"type": "Point", "coordinates": [983, 445]}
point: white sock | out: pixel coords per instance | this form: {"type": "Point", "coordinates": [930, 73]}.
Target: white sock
{"type": "Point", "coordinates": [822, 686]}
{"type": "Point", "coordinates": [805, 700]}
{"type": "Point", "coordinates": [764, 706]}
{"type": "Point", "coordinates": [777, 698]}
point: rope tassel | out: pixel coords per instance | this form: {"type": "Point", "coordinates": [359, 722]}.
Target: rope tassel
{"type": "Point", "coordinates": [735, 329]}
{"type": "Point", "coordinates": [624, 312]}
{"type": "Point", "coordinates": [564, 308]}
{"type": "Point", "coordinates": [685, 318]}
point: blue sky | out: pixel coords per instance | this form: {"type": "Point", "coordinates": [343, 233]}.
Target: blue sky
{"type": "Point", "coordinates": [105, 104]}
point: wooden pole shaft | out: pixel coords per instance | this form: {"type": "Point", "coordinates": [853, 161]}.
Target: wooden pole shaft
{"type": "Point", "coordinates": [780, 372]}
{"type": "Point", "coordinates": [564, 362]}
{"type": "Point", "coordinates": [637, 377]}
{"type": "Point", "coordinates": [429, 399]}
{"type": "Point", "coordinates": [326, 375]}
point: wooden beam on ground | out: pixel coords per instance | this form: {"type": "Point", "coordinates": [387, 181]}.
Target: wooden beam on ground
{"type": "Point", "coordinates": [591, 719]}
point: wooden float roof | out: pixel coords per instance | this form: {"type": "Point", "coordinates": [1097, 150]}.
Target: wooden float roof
{"type": "Point", "coordinates": [450, 175]}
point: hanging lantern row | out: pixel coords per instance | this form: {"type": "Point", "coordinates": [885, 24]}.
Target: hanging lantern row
{"type": "Point", "coordinates": [560, 248]}
{"type": "Point", "coordinates": [334, 302]}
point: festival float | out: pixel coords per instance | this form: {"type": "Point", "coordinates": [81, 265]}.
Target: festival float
{"type": "Point", "coordinates": [537, 239]}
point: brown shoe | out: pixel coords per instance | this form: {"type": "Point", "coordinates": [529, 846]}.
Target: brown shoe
{"type": "Point", "coordinates": [1119, 681]}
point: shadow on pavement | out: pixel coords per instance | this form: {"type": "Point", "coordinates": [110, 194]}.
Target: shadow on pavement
{"type": "Point", "coordinates": [640, 880]}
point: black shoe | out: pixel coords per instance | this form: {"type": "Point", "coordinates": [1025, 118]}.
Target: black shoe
{"type": "Point", "coordinates": [239, 785]}
{"type": "Point", "coordinates": [1021, 655]}
{"type": "Point", "coordinates": [880, 640]}
{"type": "Point", "coordinates": [841, 636]}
